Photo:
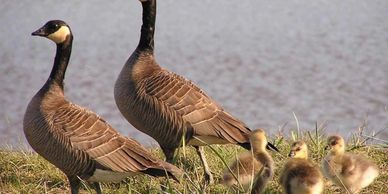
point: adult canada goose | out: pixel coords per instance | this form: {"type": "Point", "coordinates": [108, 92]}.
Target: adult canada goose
{"type": "Point", "coordinates": [349, 171]}
{"type": "Point", "coordinates": [249, 165]}
{"type": "Point", "coordinates": [76, 140]}
{"type": "Point", "coordinates": [167, 106]}
{"type": "Point", "coordinates": [300, 175]}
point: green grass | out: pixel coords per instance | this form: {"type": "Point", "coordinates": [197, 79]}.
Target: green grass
{"type": "Point", "coordinates": [26, 172]}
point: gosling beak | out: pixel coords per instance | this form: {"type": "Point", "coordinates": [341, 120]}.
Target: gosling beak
{"type": "Point", "coordinates": [39, 32]}
{"type": "Point", "coordinates": [291, 154]}
{"type": "Point", "coordinates": [270, 146]}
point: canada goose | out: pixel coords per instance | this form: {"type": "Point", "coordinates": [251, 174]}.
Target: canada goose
{"type": "Point", "coordinates": [300, 175]}
{"type": "Point", "coordinates": [249, 164]}
{"type": "Point", "coordinates": [349, 171]}
{"type": "Point", "coordinates": [76, 140]}
{"type": "Point", "coordinates": [167, 106]}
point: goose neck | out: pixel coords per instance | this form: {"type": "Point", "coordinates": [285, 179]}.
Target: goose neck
{"type": "Point", "coordinates": [61, 61]}
{"type": "Point", "coordinates": [148, 27]}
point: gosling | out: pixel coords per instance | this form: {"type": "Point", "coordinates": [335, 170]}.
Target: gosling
{"type": "Point", "coordinates": [300, 175]}
{"type": "Point", "coordinates": [250, 164]}
{"type": "Point", "coordinates": [349, 171]}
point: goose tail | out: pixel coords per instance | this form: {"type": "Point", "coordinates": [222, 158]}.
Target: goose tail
{"type": "Point", "coordinates": [167, 170]}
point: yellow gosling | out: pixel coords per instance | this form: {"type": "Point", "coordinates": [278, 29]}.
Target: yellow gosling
{"type": "Point", "coordinates": [250, 164]}
{"type": "Point", "coordinates": [349, 171]}
{"type": "Point", "coordinates": [300, 175]}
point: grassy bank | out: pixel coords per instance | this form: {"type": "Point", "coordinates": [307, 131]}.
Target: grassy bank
{"type": "Point", "coordinates": [26, 172]}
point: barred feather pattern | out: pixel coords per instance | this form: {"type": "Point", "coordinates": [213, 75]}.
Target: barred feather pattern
{"type": "Point", "coordinates": [165, 105]}
{"type": "Point", "coordinates": [78, 141]}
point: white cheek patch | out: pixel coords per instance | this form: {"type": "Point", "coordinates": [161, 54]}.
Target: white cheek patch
{"type": "Point", "coordinates": [60, 35]}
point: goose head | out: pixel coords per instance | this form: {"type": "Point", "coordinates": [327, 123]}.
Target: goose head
{"type": "Point", "coordinates": [56, 30]}
{"type": "Point", "coordinates": [335, 145]}
{"type": "Point", "coordinates": [298, 150]}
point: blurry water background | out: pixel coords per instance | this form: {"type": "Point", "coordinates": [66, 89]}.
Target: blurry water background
{"type": "Point", "coordinates": [327, 61]}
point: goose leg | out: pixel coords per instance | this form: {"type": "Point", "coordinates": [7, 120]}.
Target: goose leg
{"type": "Point", "coordinates": [169, 153]}
{"type": "Point", "coordinates": [97, 187]}
{"type": "Point", "coordinates": [75, 183]}
{"type": "Point", "coordinates": [208, 174]}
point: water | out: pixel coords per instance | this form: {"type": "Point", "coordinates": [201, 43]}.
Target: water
{"type": "Point", "coordinates": [261, 60]}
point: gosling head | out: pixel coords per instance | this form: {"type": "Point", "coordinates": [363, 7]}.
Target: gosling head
{"type": "Point", "coordinates": [55, 30]}
{"type": "Point", "coordinates": [258, 140]}
{"type": "Point", "coordinates": [335, 145]}
{"type": "Point", "coordinates": [298, 150]}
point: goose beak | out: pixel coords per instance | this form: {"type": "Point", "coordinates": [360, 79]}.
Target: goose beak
{"type": "Point", "coordinates": [270, 146]}
{"type": "Point", "coordinates": [39, 32]}
{"type": "Point", "coordinates": [291, 154]}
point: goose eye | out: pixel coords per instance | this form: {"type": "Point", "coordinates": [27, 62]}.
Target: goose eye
{"type": "Point", "coordinates": [332, 143]}
{"type": "Point", "coordinates": [53, 26]}
{"type": "Point", "coordinates": [297, 149]}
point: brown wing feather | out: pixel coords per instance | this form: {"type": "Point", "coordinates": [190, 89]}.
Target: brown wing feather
{"type": "Point", "coordinates": [89, 133]}
{"type": "Point", "coordinates": [193, 107]}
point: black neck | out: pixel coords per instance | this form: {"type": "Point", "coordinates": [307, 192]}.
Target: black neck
{"type": "Point", "coordinates": [147, 29]}
{"type": "Point", "coordinates": [61, 60]}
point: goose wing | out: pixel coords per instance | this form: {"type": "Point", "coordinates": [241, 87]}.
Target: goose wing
{"type": "Point", "coordinates": [192, 107]}
{"type": "Point", "coordinates": [90, 134]}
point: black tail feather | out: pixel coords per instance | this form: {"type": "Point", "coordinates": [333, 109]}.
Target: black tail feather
{"type": "Point", "coordinates": [245, 145]}
{"type": "Point", "coordinates": [271, 147]}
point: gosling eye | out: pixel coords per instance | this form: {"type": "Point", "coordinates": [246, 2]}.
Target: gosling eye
{"type": "Point", "coordinates": [333, 143]}
{"type": "Point", "coordinates": [297, 149]}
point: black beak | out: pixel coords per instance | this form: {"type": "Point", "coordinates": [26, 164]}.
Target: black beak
{"type": "Point", "coordinates": [270, 146]}
{"type": "Point", "coordinates": [291, 154]}
{"type": "Point", "coordinates": [39, 32]}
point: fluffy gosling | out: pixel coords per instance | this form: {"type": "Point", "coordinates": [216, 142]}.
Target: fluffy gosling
{"type": "Point", "coordinates": [250, 164]}
{"type": "Point", "coordinates": [300, 175]}
{"type": "Point", "coordinates": [349, 171]}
